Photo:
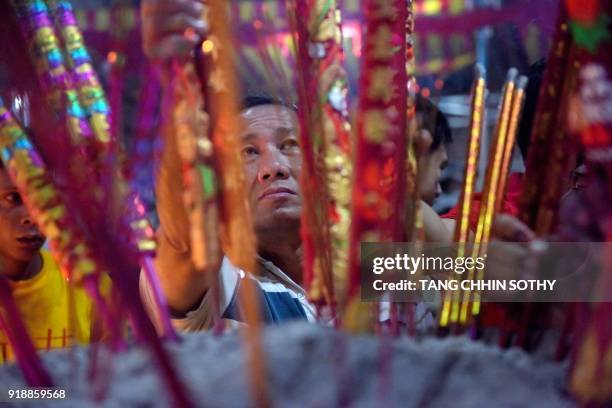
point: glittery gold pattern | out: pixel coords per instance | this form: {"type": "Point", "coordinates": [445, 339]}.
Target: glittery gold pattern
{"type": "Point", "coordinates": [201, 195]}
{"type": "Point", "coordinates": [96, 110]}
{"type": "Point", "coordinates": [380, 184]}
{"type": "Point", "coordinates": [326, 146]}
{"type": "Point", "coordinates": [89, 91]}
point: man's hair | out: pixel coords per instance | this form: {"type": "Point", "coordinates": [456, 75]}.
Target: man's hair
{"type": "Point", "coordinates": [250, 101]}
{"type": "Point", "coordinates": [435, 121]}
{"type": "Point", "coordinates": [535, 75]}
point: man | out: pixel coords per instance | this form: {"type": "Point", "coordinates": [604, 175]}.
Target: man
{"type": "Point", "coordinates": [42, 294]}
{"type": "Point", "coordinates": [272, 163]}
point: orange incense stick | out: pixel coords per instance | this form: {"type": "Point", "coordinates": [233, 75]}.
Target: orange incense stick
{"type": "Point", "coordinates": [461, 233]}
{"type": "Point", "coordinates": [486, 215]}
{"type": "Point", "coordinates": [518, 100]}
{"type": "Point", "coordinates": [517, 107]}
{"type": "Point", "coordinates": [238, 237]}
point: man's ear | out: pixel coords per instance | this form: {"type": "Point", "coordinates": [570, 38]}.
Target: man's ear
{"type": "Point", "coordinates": [422, 138]}
{"type": "Point", "coordinates": [423, 141]}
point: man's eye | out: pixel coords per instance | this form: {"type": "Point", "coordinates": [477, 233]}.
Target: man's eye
{"type": "Point", "coordinates": [289, 144]}
{"type": "Point", "coordinates": [249, 151]}
{"type": "Point", "coordinates": [13, 198]}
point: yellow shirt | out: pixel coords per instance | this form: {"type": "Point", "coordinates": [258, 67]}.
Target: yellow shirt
{"type": "Point", "coordinates": [44, 304]}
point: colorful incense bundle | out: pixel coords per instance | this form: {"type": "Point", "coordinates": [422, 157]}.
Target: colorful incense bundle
{"type": "Point", "coordinates": [86, 104]}
{"type": "Point", "coordinates": [325, 143]}
{"type": "Point", "coordinates": [140, 170]}
{"type": "Point", "coordinates": [96, 109]}
{"type": "Point", "coordinates": [90, 93]}
{"type": "Point", "coordinates": [92, 99]}
{"type": "Point", "coordinates": [462, 228]}
{"type": "Point", "coordinates": [37, 28]}
{"type": "Point", "coordinates": [46, 205]}
{"type": "Point", "coordinates": [26, 167]}
{"type": "Point", "coordinates": [105, 228]}
{"type": "Point", "coordinates": [379, 188]}
{"type": "Point", "coordinates": [56, 81]}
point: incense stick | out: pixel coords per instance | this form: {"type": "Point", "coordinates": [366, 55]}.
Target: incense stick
{"type": "Point", "coordinates": [486, 215]}
{"type": "Point", "coordinates": [461, 233]}
{"type": "Point", "coordinates": [379, 186]}
{"type": "Point", "coordinates": [238, 238]}
{"type": "Point", "coordinates": [85, 196]}
{"type": "Point", "coordinates": [314, 50]}
{"type": "Point", "coordinates": [92, 99]}
{"type": "Point", "coordinates": [518, 99]}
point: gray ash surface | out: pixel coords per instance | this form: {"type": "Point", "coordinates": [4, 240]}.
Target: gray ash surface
{"type": "Point", "coordinates": [313, 366]}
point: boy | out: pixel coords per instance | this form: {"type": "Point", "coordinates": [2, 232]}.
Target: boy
{"type": "Point", "coordinates": [434, 134]}
{"type": "Point", "coordinates": [55, 314]}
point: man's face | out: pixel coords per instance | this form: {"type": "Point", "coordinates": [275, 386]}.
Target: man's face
{"type": "Point", "coordinates": [431, 164]}
{"type": "Point", "coordinates": [273, 164]}
{"type": "Point", "coordinates": [20, 238]}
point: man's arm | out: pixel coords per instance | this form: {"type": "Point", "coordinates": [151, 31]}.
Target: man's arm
{"type": "Point", "coordinates": [181, 283]}
{"type": "Point", "coordinates": [437, 229]}
{"type": "Point", "coordinates": [165, 25]}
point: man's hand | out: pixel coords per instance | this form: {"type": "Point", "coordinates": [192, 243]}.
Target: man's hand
{"type": "Point", "coordinates": [171, 28]}
{"type": "Point", "coordinates": [508, 251]}
{"type": "Point", "coordinates": [509, 228]}
{"type": "Point", "coordinates": [170, 31]}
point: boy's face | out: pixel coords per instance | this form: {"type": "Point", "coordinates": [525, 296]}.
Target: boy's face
{"type": "Point", "coordinates": [431, 162]}
{"type": "Point", "coordinates": [430, 172]}
{"type": "Point", "coordinates": [20, 238]}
